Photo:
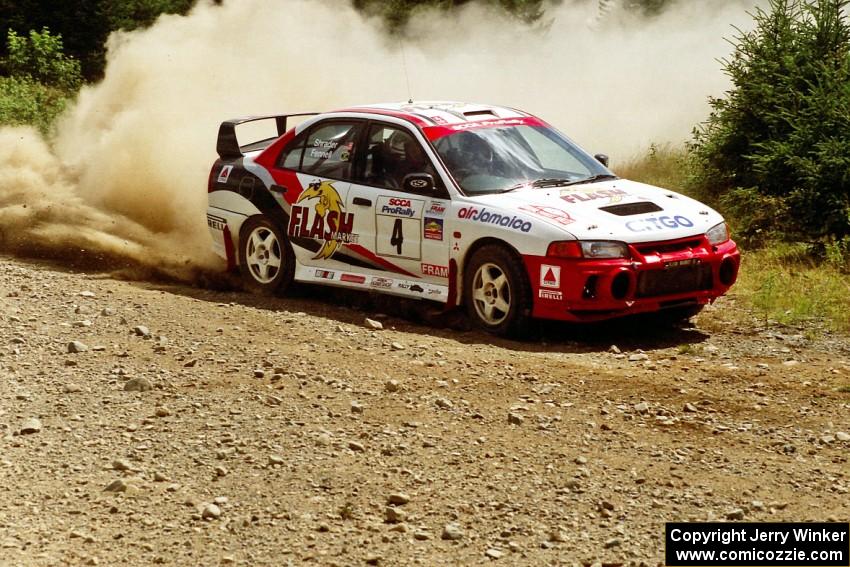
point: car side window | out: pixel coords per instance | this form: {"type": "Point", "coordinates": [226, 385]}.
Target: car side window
{"type": "Point", "coordinates": [391, 154]}
{"type": "Point", "coordinates": [326, 150]}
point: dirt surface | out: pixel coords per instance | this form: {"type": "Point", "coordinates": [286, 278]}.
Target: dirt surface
{"type": "Point", "coordinates": [284, 431]}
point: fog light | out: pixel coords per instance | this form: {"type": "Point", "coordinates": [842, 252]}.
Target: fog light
{"type": "Point", "coordinates": [620, 285]}
{"type": "Point", "coordinates": [728, 272]}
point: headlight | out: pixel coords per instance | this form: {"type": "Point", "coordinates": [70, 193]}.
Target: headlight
{"type": "Point", "coordinates": [588, 249]}
{"type": "Point", "coordinates": [718, 234]}
{"type": "Point", "coordinates": [604, 249]}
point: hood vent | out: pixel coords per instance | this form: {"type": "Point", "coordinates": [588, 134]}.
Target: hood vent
{"type": "Point", "coordinates": [630, 209]}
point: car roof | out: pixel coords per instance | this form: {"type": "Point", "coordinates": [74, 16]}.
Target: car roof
{"type": "Point", "coordinates": [433, 113]}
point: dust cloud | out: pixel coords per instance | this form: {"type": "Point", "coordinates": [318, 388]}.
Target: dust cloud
{"type": "Point", "coordinates": [124, 176]}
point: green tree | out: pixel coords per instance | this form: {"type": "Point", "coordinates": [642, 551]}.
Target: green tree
{"type": "Point", "coordinates": [41, 58]}
{"type": "Point", "coordinates": [41, 81]}
{"type": "Point", "coordinates": [84, 24]}
{"type": "Point", "coordinates": [25, 102]}
{"type": "Point", "coordinates": [775, 151]}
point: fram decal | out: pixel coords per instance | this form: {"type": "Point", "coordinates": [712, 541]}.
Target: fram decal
{"type": "Point", "coordinates": [324, 274]}
{"type": "Point", "coordinates": [352, 278]}
{"type": "Point", "coordinates": [579, 195]}
{"type": "Point", "coordinates": [434, 270]}
{"type": "Point", "coordinates": [224, 174]}
{"type": "Point", "coordinates": [383, 283]}
{"type": "Point", "coordinates": [436, 209]}
{"type": "Point", "coordinates": [433, 229]}
{"type": "Point", "coordinates": [550, 294]}
{"type": "Point", "coordinates": [485, 216]}
{"type": "Point", "coordinates": [553, 213]}
{"type": "Point", "coordinates": [550, 276]}
{"type": "Point", "coordinates": [659, 223]}
{"type": "Point", "coordinates": [330, 223]}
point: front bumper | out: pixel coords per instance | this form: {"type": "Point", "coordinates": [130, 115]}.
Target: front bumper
{"type": "Point", "coordinates": [659, 275]}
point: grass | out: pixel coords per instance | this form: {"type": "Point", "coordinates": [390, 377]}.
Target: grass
{"type": "Point", "coordinates": [780, 282]}
{"type": "Point", "coordinates": [784, 284]}
{"type": "Point", "coordinates": [663, 166]}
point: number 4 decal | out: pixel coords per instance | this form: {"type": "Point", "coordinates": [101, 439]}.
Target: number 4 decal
{"type": "Point", "coordinates": [397, 237]}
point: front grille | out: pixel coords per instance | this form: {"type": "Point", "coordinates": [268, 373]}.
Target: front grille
{"type": "Point", "coordinates": [668, 247]}
{"type": "Point", "coordinates": [673, 280]}
{"type": "Point", "coordinates": [630, 209]}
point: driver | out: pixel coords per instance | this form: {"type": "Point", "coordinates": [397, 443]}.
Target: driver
{"type": "Point", "coordinates": [414, 161]}
{"type": "Point", "coordinates": [476, 154]}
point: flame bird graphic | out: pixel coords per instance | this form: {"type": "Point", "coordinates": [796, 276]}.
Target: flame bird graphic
{"type": "Point", "coordinates": [328, 201]}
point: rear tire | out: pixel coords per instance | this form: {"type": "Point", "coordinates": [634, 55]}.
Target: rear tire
{"type": "Point", "coordinates": [266, 260]}
{"type": "Point", "coordinates": [496, 291]}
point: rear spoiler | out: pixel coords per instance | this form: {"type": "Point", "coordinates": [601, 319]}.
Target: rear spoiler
{"type": "Point", "coordinates": [228, 146]}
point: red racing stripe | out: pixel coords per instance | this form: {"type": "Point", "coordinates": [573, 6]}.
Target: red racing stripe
{"type": "Point", "coordinates": [378, 260]}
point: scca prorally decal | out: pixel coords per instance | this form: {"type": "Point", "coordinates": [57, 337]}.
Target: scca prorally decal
{"type": "Point", "coordinates": [552, 213]}
{"type": "Point", "coordinates": [224, 174]}
{"type": "Point", "coordinates": [399, 207]}
{"type": "Point", "coordinates": [485, 216]}
{"type": "Point", "coordinates": [436, 271]}
{"type": "Point", "coordinates": [659, 223]}
{"type": "Point", "coordinates": [433, 229]}
{"type": "Point", "coordinates": [575, 196]}
{"type": "Point", "coordinates": [330, 222]}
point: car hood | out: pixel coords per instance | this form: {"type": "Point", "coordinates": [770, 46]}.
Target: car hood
{"type": "Point", "coordinates": [611, 210]}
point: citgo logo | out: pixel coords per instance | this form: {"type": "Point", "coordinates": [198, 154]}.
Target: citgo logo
{"type": "Point", "coordinates": [659, 223]}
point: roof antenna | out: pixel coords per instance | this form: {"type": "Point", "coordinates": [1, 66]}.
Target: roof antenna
{"type": "Point", "coordinates": [406, 76]}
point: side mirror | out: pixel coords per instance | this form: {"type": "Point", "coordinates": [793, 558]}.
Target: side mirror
{"type": "Point", "coordinates": [602, 158]}
{"type": "Point", "coordinates": [422, 183]}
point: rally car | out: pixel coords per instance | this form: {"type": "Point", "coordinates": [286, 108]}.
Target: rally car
{"type": "Point", "coordinates": [470, 205]}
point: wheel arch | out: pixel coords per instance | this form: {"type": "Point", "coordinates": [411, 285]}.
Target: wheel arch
{"type": "Point", "coordinates": [280, 218]}
{"type": "Point", "coordinates": [475, 247]}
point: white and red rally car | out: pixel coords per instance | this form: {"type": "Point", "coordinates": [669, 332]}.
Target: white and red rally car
{"type": "Point", "coordinates": [480, 206]}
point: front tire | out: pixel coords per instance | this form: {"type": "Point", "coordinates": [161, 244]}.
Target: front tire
{"type": "Point", "coordinates": [496, 292]}
{"type": "Point", "coordinates": [266, 260]}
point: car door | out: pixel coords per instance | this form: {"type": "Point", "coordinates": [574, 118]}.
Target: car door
{"type": "Point", "coordinates": [321, 226]}
{"type": "Point", "coordinates": [404, 234]}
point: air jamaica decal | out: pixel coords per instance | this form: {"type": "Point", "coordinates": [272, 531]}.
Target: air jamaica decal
{"type": "Point", "coordinates": [329, 222]}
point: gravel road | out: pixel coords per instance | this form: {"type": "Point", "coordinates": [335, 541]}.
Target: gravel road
{"type": "Point", "coordinates": [152, 423]}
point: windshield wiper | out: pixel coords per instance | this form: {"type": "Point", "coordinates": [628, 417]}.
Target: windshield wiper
{"type": "Point", "coordinates": [539, 183]}
{"type": "Point", "coordinates": [592, 179]}
{"type": "Point", "coordinates": [557, 182]}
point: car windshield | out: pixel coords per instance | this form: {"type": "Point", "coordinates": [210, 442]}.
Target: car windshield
{"type": "Point", "coordinates": [488, 160]}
